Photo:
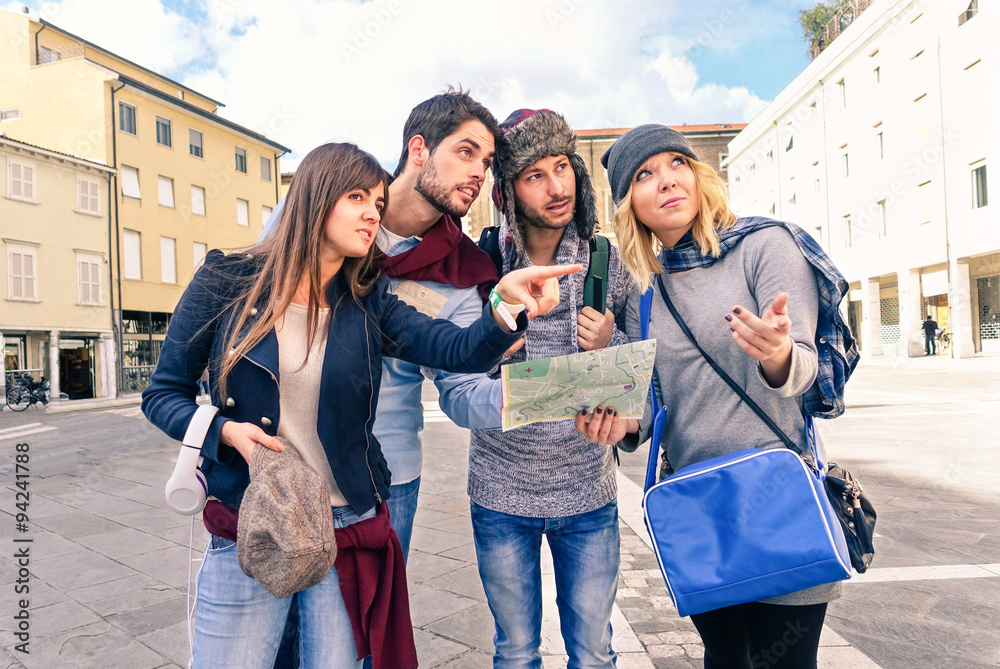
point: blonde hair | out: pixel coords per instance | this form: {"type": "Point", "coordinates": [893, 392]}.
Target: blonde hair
{"type": "Point", "coordinates": [639, 247]}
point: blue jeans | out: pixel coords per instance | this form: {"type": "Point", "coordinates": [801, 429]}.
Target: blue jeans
{"type": "Point", "coordinates": [585, 554]}
{"type": "Point", "coordinates": [240, 625]}
{"type": "Point", "coordinates": [402, 508]}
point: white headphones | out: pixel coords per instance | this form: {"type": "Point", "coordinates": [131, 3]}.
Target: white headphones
{"type": "Point", "coordinates": [186, 490]}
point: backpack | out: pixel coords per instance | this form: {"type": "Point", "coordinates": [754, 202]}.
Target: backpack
{"type": "Point", "coordinates": [595, 286]}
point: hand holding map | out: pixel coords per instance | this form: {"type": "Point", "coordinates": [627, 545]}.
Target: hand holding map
{"type": "Point", "coordinates": [557, 388]}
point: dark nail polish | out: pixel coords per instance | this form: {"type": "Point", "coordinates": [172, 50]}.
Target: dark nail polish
{"type": "Point", "coordinates": [584, 412]}
{"type": "Point", "coordinates": [732, 329]}
{"type": "Point", "coordinates": [737, 310]}
{"type": "Point", "coordinates": [728, 317]}
{"type": "Point", "coordinates": [599, 410]}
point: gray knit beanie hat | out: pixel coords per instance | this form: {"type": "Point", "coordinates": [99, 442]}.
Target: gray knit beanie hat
{"type": "Point", "coordinates": [528, 136]}
{"type": "Point", "coordinates": [285, 536]}
{"type": "Point", "coordinates": [635, 147]}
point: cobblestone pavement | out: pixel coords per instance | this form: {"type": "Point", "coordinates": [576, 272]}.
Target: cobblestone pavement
{"type": "Point", "coordinates": [109, 565]}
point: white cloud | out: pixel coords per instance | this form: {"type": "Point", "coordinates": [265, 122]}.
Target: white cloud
{"type": "Point", "coordinates": [306, 71]}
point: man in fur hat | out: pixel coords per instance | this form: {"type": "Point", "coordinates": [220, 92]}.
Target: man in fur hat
{"type": "Point", "coordinates": [546, 478]}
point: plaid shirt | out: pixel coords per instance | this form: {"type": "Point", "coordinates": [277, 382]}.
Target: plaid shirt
{"type": "Point", "coordinates": [835, 346]}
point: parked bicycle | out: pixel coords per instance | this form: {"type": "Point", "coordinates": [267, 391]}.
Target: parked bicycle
{"type": "Point", "coordinates": [944, 338]}
{"type": "Point", "coordinates": [28, 393]}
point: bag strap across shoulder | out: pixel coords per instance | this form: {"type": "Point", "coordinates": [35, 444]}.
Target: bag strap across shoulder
{"type": "Point", "coordinates": [725, 377]}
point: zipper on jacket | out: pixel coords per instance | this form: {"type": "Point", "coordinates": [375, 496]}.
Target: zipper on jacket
{"type": "Point", "coordinates": [371, 398]}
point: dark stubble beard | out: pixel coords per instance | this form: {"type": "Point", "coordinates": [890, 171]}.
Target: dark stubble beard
{"type": "Point", "coordinates": [434, 190]}
{"type": "Point", "coordinates": [541, 220]}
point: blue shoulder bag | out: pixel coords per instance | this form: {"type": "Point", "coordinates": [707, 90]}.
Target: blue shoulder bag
{"type": "Point", "coordinates": [740, 527]}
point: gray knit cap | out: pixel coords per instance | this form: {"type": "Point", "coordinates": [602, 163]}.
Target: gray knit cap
{"type": "Point", "coordinates": [285, 537]}
{"type": "Point", "coordinates": [528, 136]}
{"type": "Point", "coordinates": [635, 147]}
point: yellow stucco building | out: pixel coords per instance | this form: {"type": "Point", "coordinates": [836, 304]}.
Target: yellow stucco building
{"type": "Point", "coordinates": [54, 281]}
{"type": "Point", "coordinates": [185, 179]}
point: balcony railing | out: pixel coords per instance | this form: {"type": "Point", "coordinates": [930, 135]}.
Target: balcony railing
{"type": "Point", "coordinates": [838, 24]}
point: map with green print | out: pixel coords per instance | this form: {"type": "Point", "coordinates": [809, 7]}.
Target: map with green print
{"type": "Point", "coordinates": [557, 388]}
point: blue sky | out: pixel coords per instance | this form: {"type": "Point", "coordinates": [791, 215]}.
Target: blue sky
{"type": "Point", "coordinates": [307, 71]}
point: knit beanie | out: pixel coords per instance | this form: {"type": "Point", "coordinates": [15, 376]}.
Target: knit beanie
{"type": "Point", "coordinates": [285, 536]}
{"type": "Point", "coordinates": [528, 136]}
{"type": "Point", "coordinates": [634, 148]}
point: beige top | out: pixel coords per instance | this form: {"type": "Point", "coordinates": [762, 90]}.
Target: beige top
{"type": "Point", "coordinates": [298, 390]}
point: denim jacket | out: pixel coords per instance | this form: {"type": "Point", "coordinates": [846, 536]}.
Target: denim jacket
{"type": "Point", "coordinates": [357, 338]}
{"type": "Point", "coordinates": [400, 415]}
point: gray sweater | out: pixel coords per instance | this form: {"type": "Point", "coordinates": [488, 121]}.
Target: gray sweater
{"type": "Point", "coordinates": [705, 417]}
{"type": "Point", "coordinates": [547, 470]}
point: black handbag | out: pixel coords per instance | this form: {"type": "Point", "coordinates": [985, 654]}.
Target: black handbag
{"type": "Point", "coordinates": [852, 506]}
{"type": "Point", "coordinates": [856, 513]}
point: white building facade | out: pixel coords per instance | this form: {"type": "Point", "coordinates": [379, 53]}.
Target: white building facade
{"type": "Point", "coordinates": [883, 148]}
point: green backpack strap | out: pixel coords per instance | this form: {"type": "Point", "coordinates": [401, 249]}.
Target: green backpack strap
{"type": "Point", "coordinates": [595, 286]}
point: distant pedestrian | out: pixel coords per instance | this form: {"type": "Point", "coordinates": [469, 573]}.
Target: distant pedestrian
{"type": "Point", "coordinates": [930, 336]}
{"type": "Point", "coordinates": [203, 384]}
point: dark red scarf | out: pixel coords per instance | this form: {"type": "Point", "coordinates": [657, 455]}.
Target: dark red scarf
{"type": "Point", "coordinates": [445, 255]}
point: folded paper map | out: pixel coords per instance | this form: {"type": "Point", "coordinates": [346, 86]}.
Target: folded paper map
{"type": "Point", "coordinates": [557, 388]}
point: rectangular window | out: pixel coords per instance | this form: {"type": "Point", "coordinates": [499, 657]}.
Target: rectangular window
{"type": "Point", "coordinates": [967, 15]}
{"type": "Point", "coordinates": [772, 210]}
{"type": "Point", "coordinates": [88, 196]}
{"type": "Point", "coordinates": [10, 114]}
{"type": "Point", "coordinates": [166, 191]}
{"type": "Point", "coordinates": [848, 232]}
{"type": "Point", "coordinates": [816, 186]}
{"type": "Point", "coordinates": [47, 55]}
{"type": "Point", "coordinates": [199, 251]}
{"type": "Point", "coordinates": [609, 209]}
{"type": "Point", "coordinates": [194, 143]}
{"type": "Point", "coordinates": [792, 199]}
{"type": "Point", "coordinates": [20, 180]}
{"type": "Point", "coordinates": [979, 198]}
{"type": "Point", "coordinates": [879, 146]}
{"type": "Point", "coordinates": [126, 118]}
{"type": "Point", "coordinates": [133, 254]}
{"type": "Point", "coordinates": [163, 133]}
{"type": "Point", "coordinates": [22, 272]}
{"type": "Point", "coordinates": [924, 202]}
{"type": "Point", "coordinates": [845, 164]}
{"type": "Point", "coordinates": [168, 260]}
{"type": "Point", "coordinates": [265, 168]}
{"type": "Point", "coordinates": [130, 182]}
{"type": "Point", "coordinates": [198, 200]}
{"type": "Point", "coordinates": [265, 213]}
{"type": "Point", "coordinates": [242, 212]}
{"type": "Point", "coordinates": [842, 94]}
{"type": "Point", "coordinates": [882, 229]}
{"type": "Point", "coordinates": [88, 272]}
{"type": "Point", "coordinates": [241, 160]}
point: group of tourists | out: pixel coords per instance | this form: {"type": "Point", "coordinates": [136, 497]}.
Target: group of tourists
{"type": "Point", "coordinates": [363, 284]}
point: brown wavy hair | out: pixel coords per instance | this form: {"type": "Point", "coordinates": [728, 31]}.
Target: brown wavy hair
{"type": "Point", "coordinates": [292, 249]}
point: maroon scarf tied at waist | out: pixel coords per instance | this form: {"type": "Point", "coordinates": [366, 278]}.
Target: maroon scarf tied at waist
{"type": "Point", "coordinates": [445, 255]}
{"type": "Point", "coordinates": [373, 583]}
{"type": "Point", "coordinates": [372, 577]}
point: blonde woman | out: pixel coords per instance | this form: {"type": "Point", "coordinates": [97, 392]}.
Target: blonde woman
{"type": "Point", "coordinates": [761, 298]}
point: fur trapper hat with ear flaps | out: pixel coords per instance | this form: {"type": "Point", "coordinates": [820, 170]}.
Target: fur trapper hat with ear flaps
{"type": "Point", "coordinates": [528, 136]}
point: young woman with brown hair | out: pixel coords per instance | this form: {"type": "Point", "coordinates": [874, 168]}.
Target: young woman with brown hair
{"type": "Point", "coordinates": [293, 333]}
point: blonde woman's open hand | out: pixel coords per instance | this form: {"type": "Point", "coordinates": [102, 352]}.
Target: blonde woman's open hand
{"type": "Point", "coordinates": [765, 339]}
